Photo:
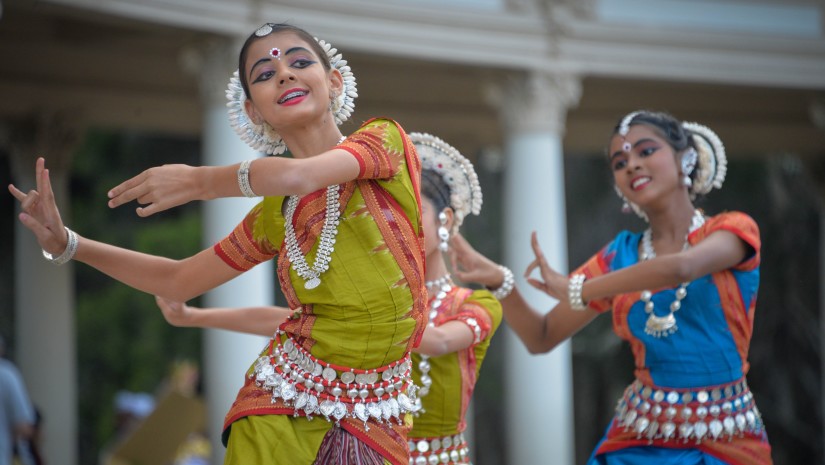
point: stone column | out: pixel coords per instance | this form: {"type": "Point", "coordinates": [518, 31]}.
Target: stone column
{"type": "Point", "coordinates": [538, 388]}
{"type": "Point", "coordinates": [227, 355]}
{"type": "Point", "coordinates": [45, 293]}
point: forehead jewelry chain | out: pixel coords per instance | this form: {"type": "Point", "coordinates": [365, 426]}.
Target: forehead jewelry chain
{"type": "Point", "coordinates": [663, 326]}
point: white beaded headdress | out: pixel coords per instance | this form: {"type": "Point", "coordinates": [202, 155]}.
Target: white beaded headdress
{"type": "Point", "coordinates": [712, 163]}
{"type": "Point", "coordinates": [456, 171]}
{"type": "Point", "coordinates": [262, 137]}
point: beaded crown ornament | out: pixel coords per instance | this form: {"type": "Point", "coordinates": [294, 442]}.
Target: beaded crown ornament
{"type": "Point", "coordinates": [456, 171]}
{"type": "Point", "coordinates": [262, 137]}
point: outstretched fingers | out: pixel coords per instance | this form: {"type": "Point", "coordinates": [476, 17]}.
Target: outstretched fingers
{"type": "Point", "coordinates": [39, 211]}
{"type": "Point", "coordinates": [27, 200]}
{"type": "Point", "coordinates": [127, 191]}
{"type": "Point", "coordinates": [44, 184]}
{"type": "Point", "coordinates": [539, 260]}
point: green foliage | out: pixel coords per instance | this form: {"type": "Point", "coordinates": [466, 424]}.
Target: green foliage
{"type": "Point", "coordinates": [123, 341]}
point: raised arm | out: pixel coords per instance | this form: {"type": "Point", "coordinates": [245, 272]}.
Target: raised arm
{"type": "Point", "coordinates": [719, 251]}
{"type": "Point", "coordinates": [447, 338]}
{"type": "Point", "coordinates": [168, 186]}
{"type": "Point", "coordinates": [263, 320]}
{"type": "Point", "coordinates": [175, 279]}
{"type": "Point", "coordinates": [540, 332]}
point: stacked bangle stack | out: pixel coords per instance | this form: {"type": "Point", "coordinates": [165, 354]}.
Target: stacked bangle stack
{"type": "Point", "coordinates": [574, 292]}
{"type": "Point", "coordinates": [68, 253]}
{"type": "Point", "coordinates": [506, 285]}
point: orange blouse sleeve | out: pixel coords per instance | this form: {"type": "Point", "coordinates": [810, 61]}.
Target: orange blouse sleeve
{"type": "Point", "coordinates": [379, 148]}
{"type": "Point", "coordinates": [740, 224]}
{"type": "Point", "coordinates": [242, 249]}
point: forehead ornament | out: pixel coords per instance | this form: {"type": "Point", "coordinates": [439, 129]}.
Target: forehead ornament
{"type": "Point", "coordinates": [275, 52]}
{"type": "Point", "coordinates": [624, 126]}
{"type": "Point", "coordinates": [626, 147]}
{"type": "Point", "coordinates": [264, 30]}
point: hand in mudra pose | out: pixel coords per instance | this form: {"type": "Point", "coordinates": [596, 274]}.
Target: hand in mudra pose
{"type": "Point", "coordinates": [40, 213]}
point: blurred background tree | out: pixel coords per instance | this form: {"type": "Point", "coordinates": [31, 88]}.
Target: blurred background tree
{"type": "Point", "coordinates": [123, 341]}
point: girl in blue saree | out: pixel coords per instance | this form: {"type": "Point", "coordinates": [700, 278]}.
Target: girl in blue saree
{"type": "Point", "coordinates": [682, 293]}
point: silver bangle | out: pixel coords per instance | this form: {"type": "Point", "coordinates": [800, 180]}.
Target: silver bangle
{"type": "Point", "coordinates": [574, 292]}
{"type": "Point", "coordinates": [68, 253]}
{"type": "Point", "coordinates": [506, 285]}
{"type": "Point", "coordinates": [243, 179]}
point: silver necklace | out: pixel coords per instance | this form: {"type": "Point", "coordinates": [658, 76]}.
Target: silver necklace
{"type": "Point", "coordinates": [312, 276]}
{"type": "Point", "coordinates": [663, 326]}
{"type": "Point", "coordinates": [444, 285]}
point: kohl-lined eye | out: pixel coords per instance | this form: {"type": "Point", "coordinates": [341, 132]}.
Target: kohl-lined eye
{"type": "Point", "coordinates": [265, 76]}
{"type": "Point", "coordinates": [647, 151]}
{"type": "Point", "coordinates": [301, 63]}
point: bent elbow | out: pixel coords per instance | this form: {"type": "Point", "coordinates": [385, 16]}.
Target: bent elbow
{"type": "Point", "coordinates": [539, 348]}
{"type": "Point", "coordinates": [294, 183]}
{"type": "Point", "coordinates": [438, 349]}
{"type": "Point", "coordinates": [535, 350]}
{"type": "Point", "coordinates": [683, 271]}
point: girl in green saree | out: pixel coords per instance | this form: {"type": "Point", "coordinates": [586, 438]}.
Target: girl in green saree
{"type": "Point", "coordinates": [343, 220]}
{"type": "Point", "coordinates": [461, 324]}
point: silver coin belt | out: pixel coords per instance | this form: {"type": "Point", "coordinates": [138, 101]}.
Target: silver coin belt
{"type": "Point", "coordinates": [722, 412]}
{"type": "Point", "coordinates": [444, 450]}
{"type": "Point", "coordinates": [313, 386]}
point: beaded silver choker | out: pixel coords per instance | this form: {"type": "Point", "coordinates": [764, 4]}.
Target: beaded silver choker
{"type": "Point", "coordinates": [663, 326]}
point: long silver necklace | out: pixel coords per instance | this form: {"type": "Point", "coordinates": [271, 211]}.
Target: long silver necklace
{"type": "Point", "coordinates": [663, 326]}
{"type": "Point", "coordinates": [323, 256]}
{"type": "Point", "coordinates": [443, 285]}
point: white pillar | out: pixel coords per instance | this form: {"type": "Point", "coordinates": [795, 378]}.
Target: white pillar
{"type": "Point", "coordinates": [538, 388]}
{"type": "Point", "coordinates": [227, 355]}
{"type": "Point", "coordinates": [44, 295]}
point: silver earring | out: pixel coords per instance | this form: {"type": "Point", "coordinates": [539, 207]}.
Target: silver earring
{"type": "Point", "coordinates": [443, 233]}
{"type": "Point", "coordinates": [332, 99]}
{"type": "Point", "coordinates": [689, 159]}
{"type": "Point", "coordinates": [626, 207]}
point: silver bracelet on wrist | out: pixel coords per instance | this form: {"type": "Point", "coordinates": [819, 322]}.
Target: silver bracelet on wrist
{"type": "Point", "coordinates": [68, 253]}
{"type": "Point", "coordinates": [574, 292]}
{"type": "Point", "coordinates": [506, 285]}
{"type": "Point", "coordinates": [243, 180]}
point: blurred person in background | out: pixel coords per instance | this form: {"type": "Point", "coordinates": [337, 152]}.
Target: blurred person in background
{"type": "Point", "coordinates": [18, 419]}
